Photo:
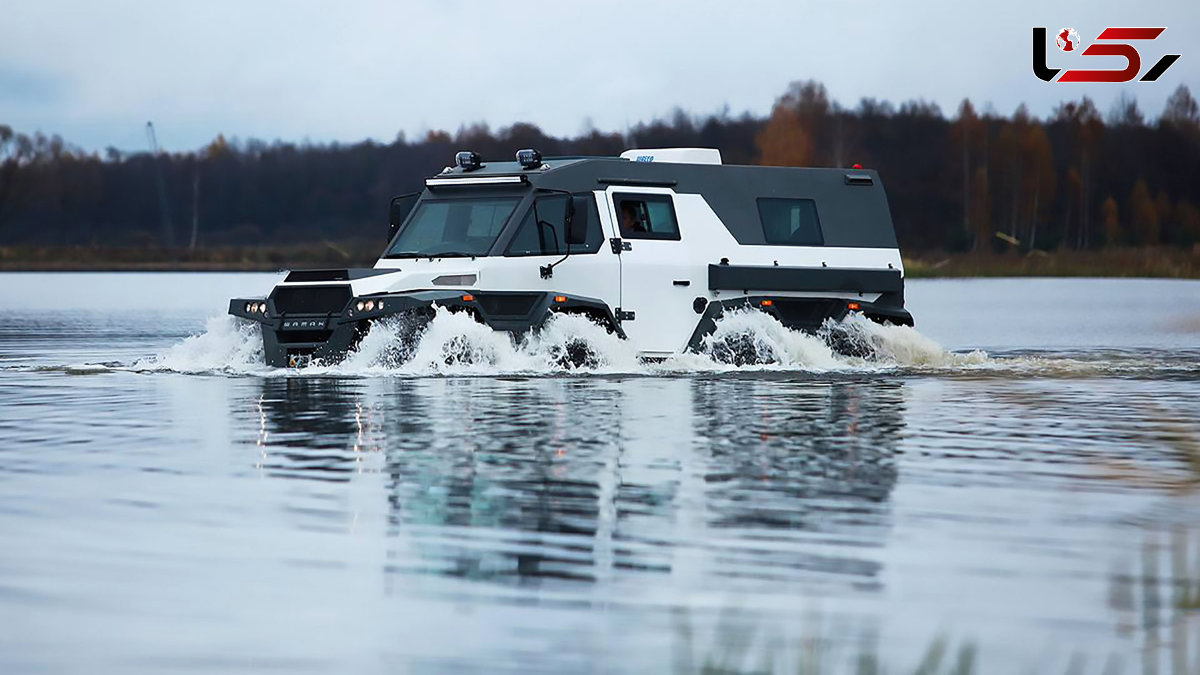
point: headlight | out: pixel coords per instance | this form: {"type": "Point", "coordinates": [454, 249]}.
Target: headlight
{"type": "Point", "coordinates": [370, 305]}
{"type": "Point", "coordinates": [249, 307]}
{"type": "Point", "coordinates": [360, 305]}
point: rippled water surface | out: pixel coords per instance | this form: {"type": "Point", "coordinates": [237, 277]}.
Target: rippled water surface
{"type": "Point", "coordinates": [1013, 488]}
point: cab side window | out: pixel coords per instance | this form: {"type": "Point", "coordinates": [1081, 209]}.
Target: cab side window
{"type": "Point", "coordinates": [549, 237]}
{"type": "Point", "coordinates": [643, 216]}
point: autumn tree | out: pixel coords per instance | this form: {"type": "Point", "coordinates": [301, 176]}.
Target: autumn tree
{"type": "Point", "coordinates": [8, 166]}
{"type": "Point", "coordinates": [967, 134]}
{"type": "Point", "coordinates": [1143, 215]}
{"type": "Point", "coordinates": [1038, 180]}
{"type": "Point", "coordinates": [1125, 112]}
{"type": "Point", "coordinates": [1187, 217]}
{"type": "Point", "coordinates": [798, 117]}
{"type": "Point", "coordinates": [1085, 126]}
{"type": "Point", "coordinates": [219, 147]}
{"type": "Point", "coordinates": [1073, 188]}
{"type": "Point", "coordinates": [950, 182]}
{"type": "Point", "coordinates": [1166, 216]}
{"type": "Point", "coordinates": [981, 211]}
{"type": "Point", "coordinates": [1181, 109]}
{"type": "Point", "coordinates": [784, 140]}
{"type": "Point", "coordinates": [1007, 173]}
{"type": "Point", "coordinates": [846, 136]}
{"type": "Point", "coordinates": [1110, 221]}
{"type": "Point", "coordinates": [870, 107]}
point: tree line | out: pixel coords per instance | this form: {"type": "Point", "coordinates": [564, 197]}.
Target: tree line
{"type": "Point", "coordinates": [975, 180]}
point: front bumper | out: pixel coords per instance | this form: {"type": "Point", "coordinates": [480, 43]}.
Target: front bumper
{"type": "Point", "coordinates": [298, 338]}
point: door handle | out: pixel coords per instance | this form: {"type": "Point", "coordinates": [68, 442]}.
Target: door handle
{"type": "Point", "coordinates": [682, 282]}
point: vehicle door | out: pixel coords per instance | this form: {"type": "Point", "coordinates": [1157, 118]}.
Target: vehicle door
{"type": "Point", "coordinates": [541, 241]}
{"type": "Point", "coordinates": [656, 293]}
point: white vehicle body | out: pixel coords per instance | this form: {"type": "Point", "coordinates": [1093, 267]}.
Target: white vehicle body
{"type": "Point", "coordinates": [656, 287]}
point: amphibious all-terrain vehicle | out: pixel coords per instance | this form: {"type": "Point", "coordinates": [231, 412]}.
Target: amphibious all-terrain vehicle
{"type": "Point", "coordinates": [655, 245]}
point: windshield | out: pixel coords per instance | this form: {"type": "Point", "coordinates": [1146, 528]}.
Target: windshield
{"type": "Point", "coordinates": [461, 227]}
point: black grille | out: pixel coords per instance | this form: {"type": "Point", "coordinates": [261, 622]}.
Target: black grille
{"type": "Point", "coordinates": [508, 304]}
{"type": "Point", "coordinates": [291, 337]}
{"type": "Point", "coordinates": [311, 299]}
{"type": "Point", "coordinates": [801, 313]}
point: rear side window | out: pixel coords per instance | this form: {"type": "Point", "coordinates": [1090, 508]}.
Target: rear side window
{"type": "Point", "coordinates": [646, 216]}
{"type": "Point", "coordinates": [790, 222]}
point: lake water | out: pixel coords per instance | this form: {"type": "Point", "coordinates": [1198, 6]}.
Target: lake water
{"type": "Point", "coordinates": [1013, 486]}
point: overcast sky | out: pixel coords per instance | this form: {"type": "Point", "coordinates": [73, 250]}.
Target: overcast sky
{"type": "Point", "coordinates": [96, 71]}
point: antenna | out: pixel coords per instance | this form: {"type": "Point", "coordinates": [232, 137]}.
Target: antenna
{"type": "Point", "coordinates": [164, 209]}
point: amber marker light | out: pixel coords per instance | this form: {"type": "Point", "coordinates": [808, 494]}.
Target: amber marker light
{"type": "Point", "coordinates": [767, 303]}
{"type": "Point", "coordinates": [852, 306]}
{"type": "Point", "coordinates": [468, 298]}
{"type": "Point", "coordinates": [560, 298]}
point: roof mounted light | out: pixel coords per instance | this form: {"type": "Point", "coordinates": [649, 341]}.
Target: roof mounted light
{"type": "Point", "coordinates": [529, 158]}
{"type": "Point", "coordinates": [468, 161]}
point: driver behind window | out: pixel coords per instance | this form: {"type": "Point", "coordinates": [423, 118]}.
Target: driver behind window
{"type": "Point", "coordinates": [630, 221]}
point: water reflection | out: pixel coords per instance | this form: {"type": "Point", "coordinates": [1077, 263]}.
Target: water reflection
{"type": "Point", "coordinates": [313, 428]}
{"type": "Point", "coordinates": [1156, 600]}
{"type": "Point", "coordinates": [804, 472]}
{"type": "Point", "coordinates": [552, 481]}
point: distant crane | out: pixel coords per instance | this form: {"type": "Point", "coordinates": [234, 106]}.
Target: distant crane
{"type": "Point", "coordinates": [164, 208]}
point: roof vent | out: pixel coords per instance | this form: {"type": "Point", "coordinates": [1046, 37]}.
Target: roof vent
{"type": "Point", "coordinates": [674, 155]}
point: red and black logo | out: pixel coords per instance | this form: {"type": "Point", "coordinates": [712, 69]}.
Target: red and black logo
{"type": "Point", "coordinates": [1110, 42]}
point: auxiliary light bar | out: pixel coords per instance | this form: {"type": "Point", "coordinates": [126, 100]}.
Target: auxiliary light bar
{"type": "Point", "coordinates": [482, 180]}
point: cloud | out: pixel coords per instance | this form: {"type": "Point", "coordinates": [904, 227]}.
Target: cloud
{"type": "Point", "coordinates": [28, 88]}
{"type": "Point", "coordinates": [324, 71]}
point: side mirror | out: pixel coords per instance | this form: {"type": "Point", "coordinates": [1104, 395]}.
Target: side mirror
{"type": "Point", "coordinates": [398, 211]}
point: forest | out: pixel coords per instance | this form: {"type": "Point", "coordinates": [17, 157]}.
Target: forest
{"type": "Point", "coordinates": [970, 180]}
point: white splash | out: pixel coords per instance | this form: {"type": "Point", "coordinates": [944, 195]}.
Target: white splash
{"type": "Point", "coordinates": [227, 345]}
{"type": "Point", "coordinates": [768, 342]}
{"type": "Point", "coordinates": [454, 343]}
{"type": "Point", "coordinates": [902, 345]}
{"type": "Point", "coordinates": [750, 339]}
{"type": "Point", "coordinates": [572, 342]}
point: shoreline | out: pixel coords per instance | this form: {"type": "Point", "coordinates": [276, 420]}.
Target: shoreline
{"type": "Point", "coordinates": [1147, 263]}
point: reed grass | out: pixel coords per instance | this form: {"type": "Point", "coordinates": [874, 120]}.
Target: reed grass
{"type": "Point", "coordinates": [1155, 262]}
